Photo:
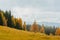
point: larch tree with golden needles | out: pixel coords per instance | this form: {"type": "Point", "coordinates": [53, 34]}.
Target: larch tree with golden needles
{"type": "Point", "coordinates": [24, 26]}
{"type": "Point", "coordinates": [34, 27]}
{"type": "Point", "coordinates": [57, 31]}
{"type": "Point", "coordinates": [3, 18]}
{"type": "Point", "coordinates": [17, 24]}
{"type": "Point", "coordinates": [20, 22]}
{"type": "Point", "coordinates": [42, 29]}
{"type": "Point", "coordinates": [13, 21]}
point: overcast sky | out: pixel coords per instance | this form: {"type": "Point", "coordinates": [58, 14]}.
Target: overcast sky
{"type": "Point", "coordinates": [30, 10]}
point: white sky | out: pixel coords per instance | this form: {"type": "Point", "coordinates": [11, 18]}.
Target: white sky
{"type": "Point", "coordinates": [30, 10]}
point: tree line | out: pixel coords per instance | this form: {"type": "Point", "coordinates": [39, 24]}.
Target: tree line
{"type": "Point", "coordinates": [49, 30]}
{"type": "Point", "coordinates": [6, 19]}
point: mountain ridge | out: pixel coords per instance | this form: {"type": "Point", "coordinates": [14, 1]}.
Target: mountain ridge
{"type": "Point", "coordinates": [46, 23]}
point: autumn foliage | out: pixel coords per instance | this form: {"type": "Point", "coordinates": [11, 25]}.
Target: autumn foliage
{"type": "Point", "coordinates": [20, 22]}
{"type": "Point", "coordinates": [6, 19]}
{"type": "Point", "coordinates": [3, 18]}
{"type": "Point", "coordinates": [42, 29]}
{"type": "Point", "coordinates": [57, 31]}
{"type": "Point", "coordinates": [34, 27]}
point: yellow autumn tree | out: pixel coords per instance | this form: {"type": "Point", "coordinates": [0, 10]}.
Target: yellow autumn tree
{"type": "Point", "coordinates": [3, 18]}
{"type": "Point", "coordinates": [34, 27]}
{"type": "Point", "coordinates": [20, 22]}
{"type": "Point", "coordinates": [57, 31]}
{"type": "Point", "coordinates": [42, 28]}
{"type": "Point", "coordinates": [16, 20]}
{"type": "Point", "coordinates": [13, 20]}
{"type": "Point", "coordinates": [24, 26]}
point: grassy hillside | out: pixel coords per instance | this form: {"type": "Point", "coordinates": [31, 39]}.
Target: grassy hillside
{"type": "Point", "coordinates": [14, 34]}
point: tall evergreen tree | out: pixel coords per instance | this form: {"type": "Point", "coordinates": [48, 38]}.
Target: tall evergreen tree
{"type": "Point", "coordinates": [1, 22]}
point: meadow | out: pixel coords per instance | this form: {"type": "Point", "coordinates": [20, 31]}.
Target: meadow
{"type": "Point", "coordinates": [7, 33]}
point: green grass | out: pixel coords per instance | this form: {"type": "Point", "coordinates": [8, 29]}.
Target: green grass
{"type": "Point", "coordinates": [7, 33]}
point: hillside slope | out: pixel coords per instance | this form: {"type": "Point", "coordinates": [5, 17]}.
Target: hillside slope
{"type": "Point", "coordinates": [14, 34]}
